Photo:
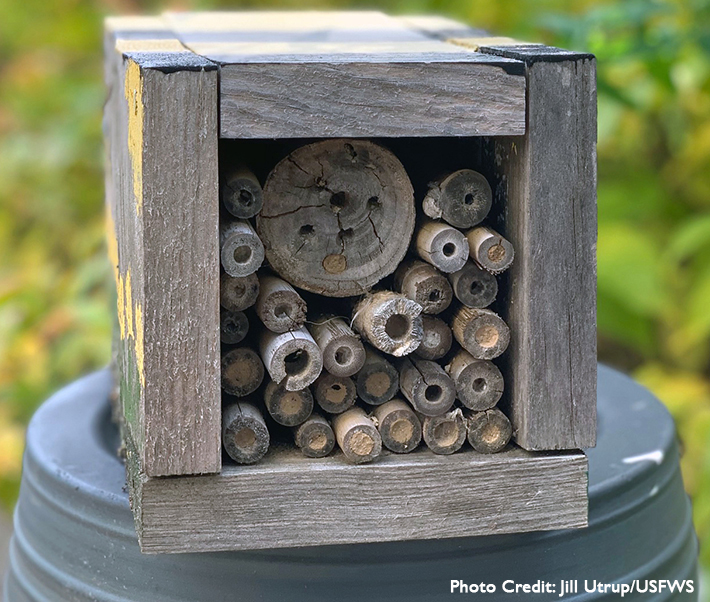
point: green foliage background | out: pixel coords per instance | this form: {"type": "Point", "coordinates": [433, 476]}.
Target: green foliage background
{"type": "Point", "coordinates": [654, 195]}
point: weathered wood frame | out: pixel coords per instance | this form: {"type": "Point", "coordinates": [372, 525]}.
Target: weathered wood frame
{"type": "Point", "coordinates": [536, 104]}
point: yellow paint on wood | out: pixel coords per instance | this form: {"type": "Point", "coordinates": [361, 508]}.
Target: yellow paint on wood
{"type": "Point", "coordinates": [112, 242]}
{"type": "Point", "coordinates": [129, 305]}
{"type": "Point", "coordinates": [121, 306]}
{"type": "Point", "coordinates": [134, 97]}
{"type": "Point", "coordinates": [138, 343]}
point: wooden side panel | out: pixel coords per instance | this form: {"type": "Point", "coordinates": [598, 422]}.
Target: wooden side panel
{"type": "Point", "coordinates": [547, 184]}
{"type": "Point", "coordinates": [162, 192]}
{"type": "Point", "coordinates": [417, 496]}
{"type": "Point", "coordinates": [351, 99]}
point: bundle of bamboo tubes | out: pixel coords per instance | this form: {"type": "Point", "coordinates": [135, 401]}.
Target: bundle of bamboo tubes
{"type": "Point", "coordinates": [353, 314]}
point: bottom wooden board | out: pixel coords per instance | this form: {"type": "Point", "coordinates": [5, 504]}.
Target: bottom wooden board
{"type": "Point", "coordinates": [288, 500]}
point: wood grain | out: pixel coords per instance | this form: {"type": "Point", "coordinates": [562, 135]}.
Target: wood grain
{"type": "Point", "coordinates": [551, 308]}
{"type": "Point", "coordinates": [161, 129]}
{"type": "Point", "coordinates": [263, 506]}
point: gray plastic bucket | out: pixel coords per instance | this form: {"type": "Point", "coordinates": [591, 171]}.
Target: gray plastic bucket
{"type": "Point", "coordinates": [74, 537]}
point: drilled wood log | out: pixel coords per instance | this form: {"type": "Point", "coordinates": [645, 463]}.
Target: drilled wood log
{"type": "Point", "coordinates": [233, 326]}
{"type": "Point", "coordinates": [343, 352]}
{"type": "Point", "coordinates": [398, 425]}
{"type": "Point", "coordinates": [237, 294]}
{"type": "Point", "coordinates": [244, 433]}
{"type": "Point", "coordinates": [489, 249]}
{"type": "Point", "coordinates": [473, 286]}
{"type": "Point", "coordinates": [437, 339]}
{"type": "Point", "coordinates": [241, 192]}
{"type": "Point", "coordinates": [427, 387]}
{"type": "Point", "coordinates": [390, 322]}
{"type": "Point", "coordinates": [442, 246]}
{"type": "Point", "coordinates": [446, 433]}
{"type": "Point", "coordinates": [315, 437]}
{"type": "Point", "coordinates": [279, 306]}
{"type": "Point", "coordinates": [334, 394]}
{"type": "Point", "coordinates": [357, 436]}
{"type": "Point", "coordinates": [292, 358]}
{"type": "Point", "coordinates": [481, 332]}
{"type": "Point", "coordinates": [241, 251]}
{"type": "Point", "coordinates": [423, 283]}
{"type": "Point", "coordinates": [338, 216]}
{"type": "Point", "coordinates": [479, 383]}
{"type": "Point", "coordinates": [289, 408]}
{"type": "Point", "coordinates": [489, 431]}
{"type": "Point", "coordinates": [242, 371]}
{"type": "Point", "coordinates": [462, 199]}
{"type": "Point", "coordinates": [378, 380]}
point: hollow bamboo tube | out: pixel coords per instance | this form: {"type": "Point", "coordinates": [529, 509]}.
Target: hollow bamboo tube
{"type": "Point", "coordinates": [489, 249]}
{"type": "Point", "coordinates": [473, 286]}
{"type": "Point", "coordinates": [423, 283]}
{"type": "Point", "coordinates": [437, 339]}
{"type": "Point", "coordinates": [357, 436]}
{"type": "Point", "coordinates": [292, 358]}
{"type": "Point", "coordinates": [242, 253]}
{"type": "Point", "coordinates": [390, 322]}
{"type": "Point", "coordinates": [426, 386]}
{"type": "Point", "coordinates": [244, 433]}
{"type": "Point", "coordinates": [398, 425]}
{"type": "Point", "coordinates": [242, 371]}
{"type": "Point", "coordinates": [315, 437]}
{"type": "Point", "coordinates": [489, 431]}
{"type": "Point", "coordinates": [241, 192]}
{"type": "Point", "coordinates": [237, 294]}
{"type": "Point", "coordinates": [442, 246]}
{"type": "Point", "coordinates": [279, 306]}
{"type": "Point", "coordinates": [343, 352]}
{"type": "Point", "coordinates": [481, 332]}
{"type": "Point", "coordinates": [378, 380]}
{"type": "Point", "coordinates": [289, 408]}
{"type": "Point", "coordinates": [479, 383]}
{"type": "Point", "coordinates": [446, 433]}
{"type": "Point", "coordinates": [462, 198]}
{"type": "Point", "coordinates": [233, 326]}
{"type": "Point", "coordinates": [334, 394]}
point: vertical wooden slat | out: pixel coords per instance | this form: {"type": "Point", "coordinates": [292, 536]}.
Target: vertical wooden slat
{"type": "Point", "coordinates": [162, 191]}
{"type": "Point", "coordinates": [547, 185]}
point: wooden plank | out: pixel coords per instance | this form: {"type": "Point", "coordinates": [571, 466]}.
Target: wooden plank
{"type": "Point", "coordinates": [162, 216]}
{"type": "Point", "coordinates": [398, 497]}
{"type": "Point", "coordinates": [547, 186]}
{"type": "Point", "coordinates": [353, 74]}
{"type": "Point", "coordinates": [471, 98]}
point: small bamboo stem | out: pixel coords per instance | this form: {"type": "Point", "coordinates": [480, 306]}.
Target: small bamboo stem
{"type": "Point", "coordinates": [437, 339]}
{"type": "Point", "coordinates": [479, 383]}
{"type": "Point", "coordinates": [481, 332]}
{"type": "Point", "coordinates": [315, 437]}
{"type": "Point", "coordinates": [357, 436]}
{"type": "Point", "coordinates": [292, 358]}
{"type": "Point", "coordinates": [444, 434]}
{"type": "Point", "coordinates": [462, 198]}
{"type": "Point", "coordinates": [244, 433]}
{"type": "Point", "coordinates": [233, 326]}
{"type": "Point", "coordinates": [473, 286]}
{"type": "Point", "coordinates": [424, 284]}
{"type": "Point", "coordinates": [378, 380]}
{"type": "Point", "coordinates": [241, 250]}
{"type": "Point", "coordinates": [426, 386]}
{"type": "Point", "coordinates": [334, 394]}
{"type": "Point", "coordinates": [279, 306]}
{"type": "Point", "coordinates": [237, 294]}
{"type": "Point", "coordinates": [242, 371]}
{"type": "Point", "coordinates": [490, 250]}
{"type": "Point", "coordinates": [442, 246]}
{"type": "Point", "coordinates": [289, 408]}
{"type": "Point", "coordinates": [241, 192]}
{"type": "Point", "coordinates": [398, 425]}
{"type": "Point", "coordinates": [343, 352]}
{"type": "Point", "coordinates": [489, 431]}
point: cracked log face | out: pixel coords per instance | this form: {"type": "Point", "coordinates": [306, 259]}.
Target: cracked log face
{"type": "Point", "coordinates": [338, 216]}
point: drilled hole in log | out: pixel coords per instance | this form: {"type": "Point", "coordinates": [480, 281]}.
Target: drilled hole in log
{"type": "Point", "coordinates": [373, 202]}
{"type": "Point", "coordinates": [446, 434]}
{"type": "Point", "coordinates": [468, 199]}
{"type": "Point", "coordinates": [479, 385]}
{"type": "Point", "coordinates": [343, 355]}
{"type": "Point", "coordinates": [487, 336]}
{"type": "Point", "coordinates": [306, 230]}
{"type": "Point", "coordinates": [449, 249]}
{"type": "Point", "coordinates": [397, 326]}
{"type": "Point", "coordinates": [245, 437]}
{"type": "Point", "coordinates": [296, 362]}
{"type": "Point", "coordinates": [496, 253]}
{"type": "Point", "coordinates": [343, 234]}
{"type": "Point", "coordinates": [242, 254]}
{"type": "Point", "coordinates": [433, 393]}
{"type": "Point", "coordinates": [338, 201]}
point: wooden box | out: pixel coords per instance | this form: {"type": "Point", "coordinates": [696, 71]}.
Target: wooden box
{"type": "Point", "coordinates": [184, 87]}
